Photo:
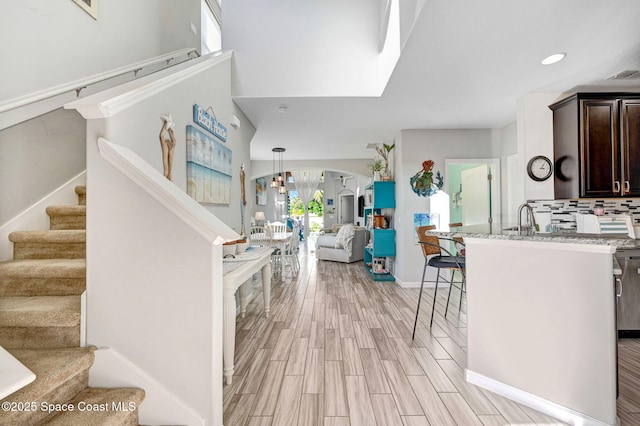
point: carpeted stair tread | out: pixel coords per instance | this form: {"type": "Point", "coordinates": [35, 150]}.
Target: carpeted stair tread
{"type": "Point", "coordinates": [52, 244]}
{"type": "Point", "coordinates": [40, 311]}
{"type": "Point", "coordinates": [29, 268]}
{"type": "Point", "coordinates": [43, 277]}
{"type": "Point", "coordinates": [81, 191]}
{"type": "Point", "coordinates": [67, 217]}
{"type": "Point", "coordinates": [67, 210]}
{"type": "Point", "coordinates": [60, 375]}
{"type": "Point", "coordinates": [52, 368]}
{"type": "Point", "coordinates": [112, 407]}
{"type": "Point", "coordinates": [50, 236]}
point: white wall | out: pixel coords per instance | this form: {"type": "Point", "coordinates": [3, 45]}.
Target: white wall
{"type": "Point", "coordinates": [355, 167]}
{"type": "Point", "coordinates": [333, 187]}
{"type": "Point", "coordinates": [54, 42]}
{"type": "Point", "coordinates": [512, 185]}
{"type": "Point", "coordinates": [535, 137]}
{"type": "Point", "coordinates": [159, 271]}
{"type": "Point", "coordinates": [275, 207]}
{"type": "Point", "coordinates": [38, 156]}
{"type": "Point", "coordinates": [58, 37]}
{"type": "Point", "coordinates": [323, 49]}
{"type": "Point", "coordinates": [139, 130]}
{"type": "Point", "coordinates": [412, 148]}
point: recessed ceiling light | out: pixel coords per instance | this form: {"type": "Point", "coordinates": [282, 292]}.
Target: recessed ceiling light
{"type": "Point", "coordinates": [282, 108]}
{"type": "Point", "coordinates": [557, 57]}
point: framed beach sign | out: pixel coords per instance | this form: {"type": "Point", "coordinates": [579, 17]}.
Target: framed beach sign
{"type": "Point", "coordinates": [208, 168]}
{"type": "Point", "coordinates": [89, 6]}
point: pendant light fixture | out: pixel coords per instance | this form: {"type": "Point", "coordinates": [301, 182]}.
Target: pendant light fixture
{"type": "Point", "coordinates": [278, 181]}
{"type": "Point", "coordinates": [273, 184]}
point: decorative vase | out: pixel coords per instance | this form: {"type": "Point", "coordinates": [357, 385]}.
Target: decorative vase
{"type": "Point", "coordinates": [386, 175]}
{"type": "Point", "coordinates": [376, 176]}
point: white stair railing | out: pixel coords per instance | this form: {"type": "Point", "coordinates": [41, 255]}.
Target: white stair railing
{"type": "Point", "coordinates": [22, 108]}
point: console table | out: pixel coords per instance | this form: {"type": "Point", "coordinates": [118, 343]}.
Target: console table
{"type": "Point", "coordinates": [236, 272]}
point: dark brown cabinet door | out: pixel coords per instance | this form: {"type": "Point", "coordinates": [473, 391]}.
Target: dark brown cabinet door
{"type": "Point", "coordinates": [600, 149]}
{"type": "Point", "coordinates": [596, 140]}
{"type": "Point", "coordinates": [630, 141]}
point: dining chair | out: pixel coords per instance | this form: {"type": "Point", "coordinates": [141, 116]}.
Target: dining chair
{"type": "Point", "coordinates": [258, 236]}
{"type": "Point", "coordinates": [291, 250]}
{"type": "Point", "coordinates": [277, 228]}
{"type": "Point", "coordinates": [437, 257]}
{"type": "Point", "coordinates": [276, 231]}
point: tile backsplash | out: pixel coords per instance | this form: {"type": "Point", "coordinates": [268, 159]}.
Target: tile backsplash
{"type": "Point", "coordinates": [562, 211]}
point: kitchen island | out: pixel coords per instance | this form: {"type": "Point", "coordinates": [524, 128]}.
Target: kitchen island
{"type": "Point", "coordinates": [541, 320]}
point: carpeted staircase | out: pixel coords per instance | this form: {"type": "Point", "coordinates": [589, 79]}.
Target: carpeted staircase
{"type": "Point", "coordinates": [40, 293]}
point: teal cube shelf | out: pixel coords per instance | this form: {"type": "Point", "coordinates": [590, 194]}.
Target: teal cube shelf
{"type": "Point", "coordinates": [368, 258]}
{"type": "Point", "coordinates": [384, 194]}
{"type": "Point", "coordinates": [383, 241]}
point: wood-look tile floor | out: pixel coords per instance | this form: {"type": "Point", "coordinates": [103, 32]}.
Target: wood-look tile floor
{"type": "Point", "coordinates": [337, 351]}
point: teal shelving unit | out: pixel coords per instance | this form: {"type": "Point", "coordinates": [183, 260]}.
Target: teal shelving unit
{"type": "Point", "coordinates": [379, 196]}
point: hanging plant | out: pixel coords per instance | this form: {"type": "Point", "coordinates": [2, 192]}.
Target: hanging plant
{"type": "Point", "coordinates": [424, 183]}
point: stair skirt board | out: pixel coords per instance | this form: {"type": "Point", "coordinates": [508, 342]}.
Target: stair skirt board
{"type": "Point", "coordinates": [111, 369]}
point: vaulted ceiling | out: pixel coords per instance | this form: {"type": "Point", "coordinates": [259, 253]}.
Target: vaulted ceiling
{"type": "Point", "coordinates": [461, 64]}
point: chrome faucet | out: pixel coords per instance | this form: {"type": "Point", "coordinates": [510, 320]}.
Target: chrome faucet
{"type": "Point", "coordinates": [531, 219]}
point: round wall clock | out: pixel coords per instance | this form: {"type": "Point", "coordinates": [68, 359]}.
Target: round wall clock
{"type": "Point", "coordinates": [539, 168]}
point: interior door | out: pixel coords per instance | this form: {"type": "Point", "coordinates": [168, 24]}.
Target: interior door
{"type": "Point", "coordinates": [346, 208]}
{"type": "Point", "coordinates": [476, 198]}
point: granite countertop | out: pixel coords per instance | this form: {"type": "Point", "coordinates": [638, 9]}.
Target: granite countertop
{"type": "Point", "coordinates": [508, 232]}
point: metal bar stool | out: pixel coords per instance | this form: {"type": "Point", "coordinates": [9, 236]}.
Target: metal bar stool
{"type": "Point", "coordinates": [433, 256]}
{"type": "Point", "coordinates": [459, 251]}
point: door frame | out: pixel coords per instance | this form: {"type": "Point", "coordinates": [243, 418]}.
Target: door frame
{"type": "Point", "coordinates": [341, 195]}
{"type": "Point", "coordinates": [494, 165]}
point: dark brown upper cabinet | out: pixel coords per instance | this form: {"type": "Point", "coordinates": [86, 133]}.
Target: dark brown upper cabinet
{"type": "Point", "coordinates": [596, 141]}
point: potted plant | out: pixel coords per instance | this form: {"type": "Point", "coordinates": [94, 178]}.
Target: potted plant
{"type": "Point", "coordinates": [384, 152]}
{"type": "Point", "coordinates": [376, 166]}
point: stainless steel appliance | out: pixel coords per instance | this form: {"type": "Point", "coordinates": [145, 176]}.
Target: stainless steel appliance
{"type": "Point", "coordinates": [628, 292]}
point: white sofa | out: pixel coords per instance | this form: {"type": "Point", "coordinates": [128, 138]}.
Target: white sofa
{"type": "Point", "coordinates": [330, 247]}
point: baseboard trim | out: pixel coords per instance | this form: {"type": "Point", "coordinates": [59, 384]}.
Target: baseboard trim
{"type": "Point", "coordinates": [537, 403]}
{"type": "Point", "coordinates": [416, 284]}
{"type": "Point", "coordinates": [160, 406]}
